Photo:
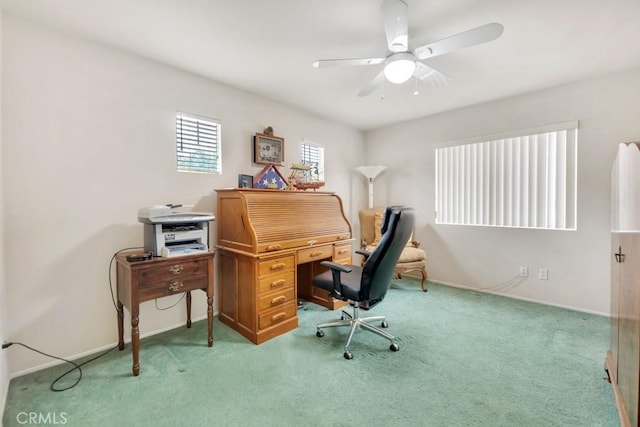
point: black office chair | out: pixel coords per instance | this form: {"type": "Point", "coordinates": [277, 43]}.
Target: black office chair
{"type": "Point", "coordinates": [366, 286]}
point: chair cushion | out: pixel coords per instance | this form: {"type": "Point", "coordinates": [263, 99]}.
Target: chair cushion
{"type": "Point", "coordinates": [367, 218]}
{"type": "Point", "coordinates": [409, 254]}
{"type": "Point", "coordinates": [377, 225]}
{"type": "Point", "coordinates": [350, 282]}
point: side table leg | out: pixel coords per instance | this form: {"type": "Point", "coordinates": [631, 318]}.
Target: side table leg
{"type": "Point", "coordinates": [120, 327]}
{"type": "Point", "coordinates": [210, 319]}
{"type": "Point", "coordinates": [135, 343]}
{"type": "Point", "coordinates": [189, 309]}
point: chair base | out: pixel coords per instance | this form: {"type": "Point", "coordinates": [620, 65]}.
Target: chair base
{"type": "Point", "coordinates": [356, 322]}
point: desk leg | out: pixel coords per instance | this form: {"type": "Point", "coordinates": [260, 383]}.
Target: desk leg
{"type": "Point", "coordinates": [189, 309]}
{"type": "Point", "coordinates": [120, 327]}
{"type": "Point", "coordinates": [210, 318]}
{"type": "Point", "coordinates": [135, 340]}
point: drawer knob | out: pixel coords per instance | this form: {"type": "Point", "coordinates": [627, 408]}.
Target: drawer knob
{"type": "Point", "coordinates": [274, 247]}
{"type": "Point", "coordinates": [277, 283]}
{"type": "Point", "coordinates": [175, 286]}
{"type": "Point", "coordinates": [278, 300]}
{"type": "Point", "coordinates": [343, 251]}
{"type": "Point", "coordinates": [176, 269]}
{"type": "Point", "coordinates": [312, 254]}
{"type": "Point", "coordinates": [312, 242]}
{"type": "Point", "coordinates": [278, 266]}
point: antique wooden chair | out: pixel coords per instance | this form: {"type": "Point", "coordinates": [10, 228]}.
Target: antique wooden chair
{"type": "Point", "coordinates": [412, 257]}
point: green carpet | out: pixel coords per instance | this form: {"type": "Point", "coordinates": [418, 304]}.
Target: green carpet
{"type": "Point", "coordinates": [465, 359]}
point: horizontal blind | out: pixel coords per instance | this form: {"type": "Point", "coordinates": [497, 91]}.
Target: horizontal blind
{"type": "Point", "coordinates": [197, 144]}
{"type": "Point", "coordinates": [527, 181]}
{"type": "Point", "coordinates": [313, 156]}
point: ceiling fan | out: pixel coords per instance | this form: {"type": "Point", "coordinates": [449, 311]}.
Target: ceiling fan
{"type": "Point", "coordinates": [401, 63]}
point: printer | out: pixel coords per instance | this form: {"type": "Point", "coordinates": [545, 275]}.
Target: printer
{"type": "Point", "coordinates": [168, 232]}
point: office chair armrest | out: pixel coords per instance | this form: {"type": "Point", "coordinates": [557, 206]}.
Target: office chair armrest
{"type": "Point", "coordinates": [336, 269]}
{"type": "Point", "coordinates": [365, 254]}
{"type": "Point", "coordinates": [339, 267]}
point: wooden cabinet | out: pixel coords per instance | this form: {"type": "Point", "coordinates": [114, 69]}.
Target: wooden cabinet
{"type": "Point", "coordinates": [270, 246]}
{"type": "Point", "coordinates": [623, 359]}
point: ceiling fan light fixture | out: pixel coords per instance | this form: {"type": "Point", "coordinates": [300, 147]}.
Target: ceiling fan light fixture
{"type": "Point", "coordinates": [399, 67]}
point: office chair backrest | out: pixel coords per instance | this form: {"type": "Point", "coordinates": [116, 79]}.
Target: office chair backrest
{"type": "Point", "coordinates": [377, 271]}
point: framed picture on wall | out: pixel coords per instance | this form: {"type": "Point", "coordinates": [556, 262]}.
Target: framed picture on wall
{"type": "Point", "coordinates": [268, 149]}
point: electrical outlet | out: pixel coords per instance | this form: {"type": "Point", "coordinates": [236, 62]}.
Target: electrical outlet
{"type": "Point", "coordinates": [543, 274]}
{"type": "Point", "coordinates": [524, 272]}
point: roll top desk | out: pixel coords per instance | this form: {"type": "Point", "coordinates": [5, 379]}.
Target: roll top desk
{"type": "Point", "coordinates": [270, 244]}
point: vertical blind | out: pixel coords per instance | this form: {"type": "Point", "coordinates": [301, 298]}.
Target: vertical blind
{"type": "Point", "coordinates": [527, 181]}
{"type": "Point", "coordinates": [197, 144]}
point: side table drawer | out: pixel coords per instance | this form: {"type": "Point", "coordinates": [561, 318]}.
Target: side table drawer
{"type": "Point", "coordinates": [273, 317]}
{"type": "Point", "coordinates": [169, 287]}
{"type": "Point", "coordinates": [173, 270]}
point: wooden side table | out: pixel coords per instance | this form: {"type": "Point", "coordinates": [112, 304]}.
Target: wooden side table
{"type": "Point", "coordinates": [141, 281]}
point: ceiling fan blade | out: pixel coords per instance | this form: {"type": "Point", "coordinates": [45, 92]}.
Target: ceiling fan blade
{"type": "Point", "coordinates": [324, 63]}
{"type": "Point", "coordinates": [430, 76]}
{"type": "Point", "coordinates": [483, 34]}
{"type": "Point", "coordinates": [394, 13]}
{"type": "Point", "coordinates": [373, 85]}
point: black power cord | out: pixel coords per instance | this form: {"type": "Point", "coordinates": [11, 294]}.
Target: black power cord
{"type": "Point", "coordinates": [76, 366]}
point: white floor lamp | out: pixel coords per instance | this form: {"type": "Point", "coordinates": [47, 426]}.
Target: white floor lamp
{"type": "Point", "coordinates": [370, 172]}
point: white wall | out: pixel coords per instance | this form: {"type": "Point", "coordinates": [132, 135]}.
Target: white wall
{"type": "Point", "coordinates": [480, 257]}
{"type": "Point", "coordinates": [88, 140]}
{"type": "Point", "coordinates": [4, 374]}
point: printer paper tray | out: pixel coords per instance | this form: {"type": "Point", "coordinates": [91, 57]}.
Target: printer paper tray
{"type": "Point", "coordinates": [186, 249]}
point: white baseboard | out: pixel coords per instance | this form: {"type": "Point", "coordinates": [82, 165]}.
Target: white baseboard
{"type": "Point", "coordinates": [568, 307]}
{"type": "Point", "coordinates": [99, 349]}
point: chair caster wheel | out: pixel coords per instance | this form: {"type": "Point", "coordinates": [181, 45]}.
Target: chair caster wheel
{"type": "Point", "coordinates": [348, 355]}
{"type": "Point", "coordinates": [384, 324]}
{"type": "Point", "coordinates": [394, 347]}
{"type": "Point", "coordinates": [319, 333]}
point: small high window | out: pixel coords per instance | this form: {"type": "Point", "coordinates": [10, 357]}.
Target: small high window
{"type": "Point", "coordinates": [313, 156]}
{"type": "Point", "coordinates": [198, 144]}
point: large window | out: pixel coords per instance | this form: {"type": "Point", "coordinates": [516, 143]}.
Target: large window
{"type": "Point", "coordinates": [527, 180]}
{"type": "Point", "coordinates": [313, 156]}
{"type": "Point", "coordinates": [198, 144]}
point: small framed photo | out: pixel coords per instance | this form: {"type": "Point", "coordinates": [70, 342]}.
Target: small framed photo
{"type": "Point", "coordinates": [245, 181]}
{"type": "Point", "coordinates": [268, 149]}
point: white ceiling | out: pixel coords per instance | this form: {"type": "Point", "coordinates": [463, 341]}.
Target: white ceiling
{"type": "Point", "coordinates": [267, 46]}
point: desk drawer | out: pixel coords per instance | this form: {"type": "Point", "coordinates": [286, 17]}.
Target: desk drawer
{"type": "Point", "coordinates": [280, 281]}
{"type": "Point", "coordinates": [276, 265]}
{"type": "Point", "coordinates": [342, 254]}
{"type": "Point", "coordinates": [276, 299]}
{"type": "Point", "coordinates": [314, 254]}
{"type": "Point", "coordinates": [174, 286]}
{"type": "Point", "coordinates": [172, 270]}
{"type": "Point", "coordinates": [273, 317]}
